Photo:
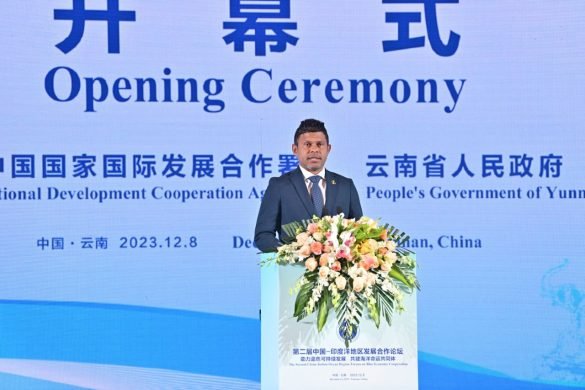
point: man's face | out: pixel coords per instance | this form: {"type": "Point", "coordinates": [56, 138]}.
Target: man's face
{"type": "Point", "coordinates": [312, 150]}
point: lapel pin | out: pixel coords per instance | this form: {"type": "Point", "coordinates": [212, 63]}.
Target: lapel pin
{"type": "Point", "coordinates": [333, 182]}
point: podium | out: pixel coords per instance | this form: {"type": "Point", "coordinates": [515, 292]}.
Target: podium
{"type": "Point", "coordinates": [294, 355]}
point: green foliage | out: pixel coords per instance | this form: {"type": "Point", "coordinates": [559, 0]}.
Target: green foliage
{"type": "Point", "coordinates": [374, 312]}
{"type": "Point", "coordinates": [291, 229]}
{"type": "Point", "coordinates": [364, 232]}
{"type": "Point", "coordinates": [324, 304]}
{"type": "Point", "coordinates": [405, 275]}
{"type": "Point", "coordinates": [304, 295]}
{"type": "Point", "coordinates": [384, 302]}
{"type": "Point", "coordinates": [397, 274]}
{"type": "Point", "coordinates": [397, 236]}
{"type": "Point", "coordinates": [347, 327]}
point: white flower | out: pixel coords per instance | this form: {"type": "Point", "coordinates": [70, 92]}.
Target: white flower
{"type": "Point", "coordinates": [368, 291]}
{"type": "Point", "coordinates": [318, 236]}
{"type": "Point", "coordinates": [370, 278]}
{"type": "Point", "coordinates": [359, 284]}
{"type": "Point", "coordinates": [385, 267]}
{"type": "Point", "coordinates": [353, 272]}
{"type": "Point", "coordinates": [389, 286]}
{"type": "Point", "coordinates": [333, 236]}
{"type": "Point", "coordinates": [347, 222]}
{"type": "Point", "coordinates": [391, 245]}
{"type": "Point", "coordinates": [344, 236]}
{"type": "Point", "coordinates": [340, 282]}
{"type": "Point", "coordinates": [390, 258]}
{"type": "Point", "coordinates": [407, 261]}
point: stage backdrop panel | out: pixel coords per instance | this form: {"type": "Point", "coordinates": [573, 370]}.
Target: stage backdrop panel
{"type": "Point", "coordinates": [137, 137]}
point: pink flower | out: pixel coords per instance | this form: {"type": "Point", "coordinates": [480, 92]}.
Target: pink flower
{"type": "Point", "coordinates": [316, 247]}
{"type": "Point", "coordinates": [311, 264]}
{"type": "Point", "coordinates": [368, 261]}
{"type": "Point", "coordinates": [312, 228]}
{"type": "Point", "coordinates": [305, 250]}
{"type": "Point", "coordinates": [302, 238]}
{"type": "Point", "coordinates": [324, 260]}
{"type": "Point", "coordinates": [336, 266]}
{"type": "Point", "coordinates": [343, 252]}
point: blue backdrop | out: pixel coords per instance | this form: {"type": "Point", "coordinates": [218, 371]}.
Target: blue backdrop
{"type": "Point", "coordinates": [137, 138]}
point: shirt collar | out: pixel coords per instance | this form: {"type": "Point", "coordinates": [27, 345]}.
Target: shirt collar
{"type": "Point", "coordinates": [307, 174]}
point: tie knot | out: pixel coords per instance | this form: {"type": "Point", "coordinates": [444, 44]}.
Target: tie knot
{"type": "Point", "coordinates": [315, 179]}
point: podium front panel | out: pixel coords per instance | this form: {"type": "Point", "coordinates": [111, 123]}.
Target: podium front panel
{"type": "Point", "coordinates": [296, 356]}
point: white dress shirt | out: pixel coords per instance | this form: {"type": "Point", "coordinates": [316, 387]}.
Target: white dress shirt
{"type": "Point", "coordinates": [322, 183]}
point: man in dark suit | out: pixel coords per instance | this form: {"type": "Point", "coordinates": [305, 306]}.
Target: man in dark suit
{"type": "Point", "coordinates": [308, 190]}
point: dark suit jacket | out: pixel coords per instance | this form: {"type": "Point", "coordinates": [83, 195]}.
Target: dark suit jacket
{"type": "Point", "coordinates": [286, 200]}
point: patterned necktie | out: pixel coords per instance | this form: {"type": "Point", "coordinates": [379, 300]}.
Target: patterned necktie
{"type": "Point", "coordinates": [316, 195]}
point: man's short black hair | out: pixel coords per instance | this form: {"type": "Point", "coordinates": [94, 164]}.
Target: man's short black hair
{"type": "Point", "coordinates": [311, 126]}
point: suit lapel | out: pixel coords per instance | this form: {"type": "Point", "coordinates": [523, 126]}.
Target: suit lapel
{"type": "Point", "coordinates": [332, 191]}
{"type": "Point", "coordinates": [298, 181]}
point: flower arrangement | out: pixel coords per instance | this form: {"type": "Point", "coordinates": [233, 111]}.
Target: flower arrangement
{"type": "Point", "coordinates": [351, 266]}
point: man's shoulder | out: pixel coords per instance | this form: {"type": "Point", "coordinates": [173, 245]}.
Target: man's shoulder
{"type": "Point", "coordinates": [336, 176]}
{"type": "Point", "coordinates": [285, 177]}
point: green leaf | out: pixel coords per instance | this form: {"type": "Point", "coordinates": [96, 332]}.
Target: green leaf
{"type": "Point", "coordinates": [402, 239]}
{"type": "Point", "coordinates": [291, 230]}
{"type": "Point", "coordinates": [385, 303]}
{"type": "Point", "coordinates": [302, 299]}
{"type": "Point", "coordinates": [323, 310]}
{"type": "Point", "coordinates": [396, 273]}
{"type": "Point", "coordinates": [375, 314]}
{"type": "Point", "coordinates": [342, 307]}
